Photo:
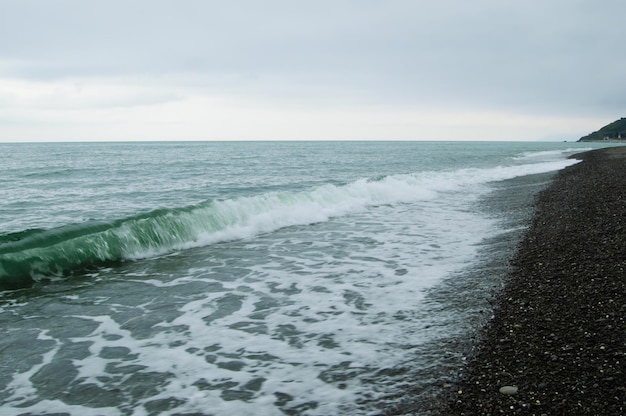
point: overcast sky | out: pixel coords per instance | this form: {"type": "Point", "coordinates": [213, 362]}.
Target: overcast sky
{"type": "Point", "coordinates": [300, 69]}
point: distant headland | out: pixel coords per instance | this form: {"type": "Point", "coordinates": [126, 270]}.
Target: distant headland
{"type": "Point", "coordinates": [616, 131]}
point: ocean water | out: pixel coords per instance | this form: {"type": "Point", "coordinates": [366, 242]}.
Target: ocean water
{"type": "Point", "coordinates": [240, 278]}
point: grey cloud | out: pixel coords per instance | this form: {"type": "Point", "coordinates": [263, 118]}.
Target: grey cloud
{"type": "Point", "coordinates": [532, 55]}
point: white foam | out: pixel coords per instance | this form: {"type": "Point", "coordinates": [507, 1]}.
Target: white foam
{"type": "Point", "coordinates": [243, 218]}
{"type": "Point", "coordinates": [46, 407]}
{"type": "Point", "coordinates": [367, 330]}
{"type": "Point", "coordinates": [20, 388]}
{"type": "Point", "coordinates": [551, 154]}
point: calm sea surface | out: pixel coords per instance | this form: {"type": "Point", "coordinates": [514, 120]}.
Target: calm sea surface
{"type": "Point", "coordinates": [248, 278]}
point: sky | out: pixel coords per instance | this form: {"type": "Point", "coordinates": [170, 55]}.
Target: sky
{"type": "Point", "coordinates": [75, 70]}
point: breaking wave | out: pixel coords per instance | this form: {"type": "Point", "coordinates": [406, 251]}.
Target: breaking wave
{"type": "Point", "coordinates": [31, 255]}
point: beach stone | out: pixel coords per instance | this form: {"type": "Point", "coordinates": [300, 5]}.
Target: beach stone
{"type": "Point", "coordinates": [508, 390]}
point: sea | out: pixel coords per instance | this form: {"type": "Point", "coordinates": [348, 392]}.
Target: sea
{"type": "Point", "coordinates": [253, 278]}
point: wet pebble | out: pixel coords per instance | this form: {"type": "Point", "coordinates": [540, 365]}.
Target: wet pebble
{"type": "Point", "coordinates": [568, 280]}
{"type": "Point", "coordinates": [509, 390]}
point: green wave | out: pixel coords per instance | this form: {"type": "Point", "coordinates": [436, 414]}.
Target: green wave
{"type": "Point", "coordinates": [30, 255]}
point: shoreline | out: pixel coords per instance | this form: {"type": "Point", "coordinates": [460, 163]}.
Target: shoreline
{"type": "Point", "coordinates": [558, 335]}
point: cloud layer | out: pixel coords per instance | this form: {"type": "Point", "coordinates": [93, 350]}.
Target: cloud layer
{"type": "Point", "coordinates": [368, 69]}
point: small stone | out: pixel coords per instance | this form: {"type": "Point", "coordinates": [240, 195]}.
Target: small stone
{"type": "Point", "coordinates": [508, 390]}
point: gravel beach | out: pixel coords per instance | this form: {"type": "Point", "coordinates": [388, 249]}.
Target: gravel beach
{"type": "Point", "coordinates": [557, 342]}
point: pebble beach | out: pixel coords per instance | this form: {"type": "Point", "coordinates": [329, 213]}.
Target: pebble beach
{"type": "Point", "coordinates": [556, 344]}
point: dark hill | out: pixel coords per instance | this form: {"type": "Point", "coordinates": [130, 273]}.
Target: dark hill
{"type": "Point", "coordinates": [614, 131]}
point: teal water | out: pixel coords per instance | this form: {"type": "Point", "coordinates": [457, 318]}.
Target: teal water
{"type": "Point", "coordinates": [238, 278]}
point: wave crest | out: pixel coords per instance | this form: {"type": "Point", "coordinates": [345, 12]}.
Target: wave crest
{"type": "Point", "coordinates": [31, 255]}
